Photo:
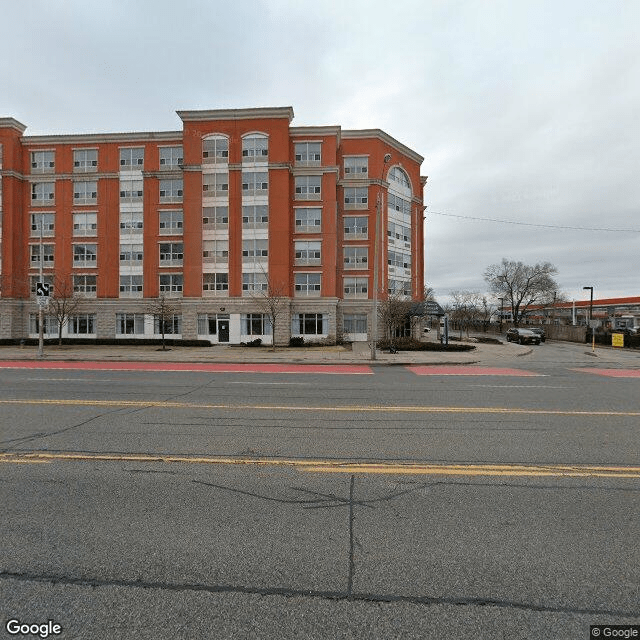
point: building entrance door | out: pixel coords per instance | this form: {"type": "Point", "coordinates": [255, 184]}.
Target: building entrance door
{"type": "Point", "coordinates": [223, 331]}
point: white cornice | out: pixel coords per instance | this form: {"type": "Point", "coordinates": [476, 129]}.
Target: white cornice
{"type": "Point", "coordinates": [97, 138]}
{"type": "Point", "coordinates": [236, 114]}
{"type": "Point", "coordinates": [317, 131]}
{"type": "Point", "coordinates": [385, 137]}
{"type": "Point", "coordinates": [12, 123]}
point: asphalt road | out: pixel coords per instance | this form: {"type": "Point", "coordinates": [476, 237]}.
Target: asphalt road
{"type": "Point", "coordinates": [391, 505]}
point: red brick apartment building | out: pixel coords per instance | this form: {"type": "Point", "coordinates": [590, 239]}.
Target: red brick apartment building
{"type": "Point", "coordinates": [211, 217]}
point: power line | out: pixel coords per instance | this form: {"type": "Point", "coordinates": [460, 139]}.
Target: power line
{"type": "Point", "coordinates": [532, 224]}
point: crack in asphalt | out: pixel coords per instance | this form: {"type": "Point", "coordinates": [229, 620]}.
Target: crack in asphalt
{"type": "Point", "coordinates": [357, 596]}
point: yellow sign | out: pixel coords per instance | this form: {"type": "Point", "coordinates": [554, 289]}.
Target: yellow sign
{"type": "Point", "coordinates": [617, 339]}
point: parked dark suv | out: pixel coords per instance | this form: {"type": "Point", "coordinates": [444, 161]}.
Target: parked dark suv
{"type": "Point", "coordinates": [523, 336]}
{"type": "Point", "coordinates": [540, 332]}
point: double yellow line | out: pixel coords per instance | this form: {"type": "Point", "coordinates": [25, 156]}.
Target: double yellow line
{"type": "Point", "coordinates": [142, 404]}
{"type": "Point", "coordinates": [337, 466]}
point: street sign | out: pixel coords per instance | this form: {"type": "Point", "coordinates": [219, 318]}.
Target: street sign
{"type": "Point", "coordinates": [617, 339]}
{"type": "Point", "coordinates": [594, 324]}
{"type": "Point", "coordinates": [43, 289]}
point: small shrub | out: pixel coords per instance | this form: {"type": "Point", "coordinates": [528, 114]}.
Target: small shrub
{"type": "Point", "coordinates": [255, 343]}
{"type": "Point", "coordinates": [297, 341]}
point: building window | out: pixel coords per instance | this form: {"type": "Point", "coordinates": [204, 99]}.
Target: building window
{"type": "Point", "coordinates": [307, 252]}
{"type": "Point", "coordinates": [398, 233]}
{"type": "Point", "coordinates": [255, 216]}
{"type": "Point", "coordinates": [49, 325]}
{"type": "Point", "coordinates": [255, 250]}
{"type": "Point", "coordinates": [131, 222]}
{"type": "Point", "coordinates": [215, 184]}
{"type": "Point", "coordinates": [255, 324]}
{"type": "Point", "coordinates": [171, 253]}
{"type": "Point", "coordinates": [85, 160]}
{"type": "Point", "coordinates": [356, 167]}
{"type": "Point", "coordinates": [132, 158]}
{"type": "Point", "coordinates": [255, 148]}
{"type": "Point", "coordinates": [85, 255]}
{"type": "Point", "coordinates": [85, 192]}
{"type": "Point", "coordinates": [42, 224]}
{"type": "Point", "coordinates": [35, 279]}
{"type": "Point", "coordinates": [356, 287]}
{"type": "Point", "coordinates": [308, 220]}
{"type": "Point", "coordinates": [399, 260]}
{"type": "Point", "coordinates": [254, 282]}
{"type": "Point", "coordinates": [208, 323]}
{"type": "Point", "coordinates": [47, 255]}
{"type": "Point", "coordinates": [171, 190]}
{"type": "Point", "coordinates": [131, 254]}
{"type": "Point", "coordinates": [171, 283]}
{"type": "Point", "coordinates": [399, 176]}
{"type": "Point", "coordinates": [171, 222]}
{"type": "Point", "coordinates": [308, 153]}
{"type": "Point", "coordinates": [43, 162]}
{"type": "Point", "coordinates": [131, 191]}
{"type": "Point", "coordinates": [131, 286]}
{"type": "Point", "coordinates": [215, 251]}
{"type": "Point", "coordinates": [171, 157]}
{"type": "Point", "coordinates": [42, 193]}
{"type": "Point", "coordinates": [354, 323]}
{"type": "Point", "coordinates": [400, 287]}
{"type": "Point", "coordinates": [356, 257]}
{"type": "Point", "coordinates": [395, 203]}
{"type": "Point", "coordinates": [356, 197]}
{"type": "Point", "coordinates": [85, 224]}
{"type": "Point", "coordinates": [255, 183]}
{"type": "Point", "coordinates": [215, 282]}
{"type": "Point", "coordinates": [307, 284]}
{"type": "Point", "coordinates": [356, 227]}
{"type": "Point", "coordinates": [309, 324]}
{"type": "Point", "coordinates": [128, 324]}
{"type": "Point", "coordinates": [82, 324]}
{"type": "Point", "coordinates": [85, 284]}
{"type": "Point", "coordinates": [215, 218]}
{"type": "Point", "coordinates": [308, 187]}
{"type": "Point", "coordinates": [215, 150]}
{"type": "Point", "coordinates": [171, 325]}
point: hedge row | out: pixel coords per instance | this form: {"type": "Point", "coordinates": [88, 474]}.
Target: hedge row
{"type": "Point", "coordinates": [132, 342]}
{"type": "Point", "coordinates": [407, 344]}
{"type": "Point", "coordinates": [631, 341]}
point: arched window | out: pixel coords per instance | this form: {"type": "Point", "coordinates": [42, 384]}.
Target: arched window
{"type": "Point", "coordinates": [215, 149]}
{"type": "Point", "coordinates": [255, 148]}
{"type": "Point", "coordinates": [397, 175]}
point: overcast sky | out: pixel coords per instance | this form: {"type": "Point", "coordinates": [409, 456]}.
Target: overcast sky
{"type": "Point", "coordinates": [527, 113]}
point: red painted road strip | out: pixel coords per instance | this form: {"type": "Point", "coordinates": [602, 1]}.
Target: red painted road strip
{"type": "Point", "coordinates": [469, 371]}
{"type": "Point", "coordinates": [195, 366]}
{"type": "Point", "coordinates": [612, 373]}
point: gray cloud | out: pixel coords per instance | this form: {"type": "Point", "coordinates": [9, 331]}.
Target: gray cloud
{"type": "Point", "coordinates": [524, 111]}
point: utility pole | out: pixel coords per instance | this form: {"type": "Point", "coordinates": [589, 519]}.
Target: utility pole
{"type": "Point", "coordinates": [41, 302]}
{"type": "Point", "coordinates": [376, 262]}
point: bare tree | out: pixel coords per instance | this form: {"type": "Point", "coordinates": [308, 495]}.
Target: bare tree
{"type": "Point", "coordinates": [394, 312]}
{"type": "Point", "coordinates": [467, 309]}
{"type": "Point", "coordinates": [429, 294]}
{"type": "Point", "coordinates": [163, 311]}
{"type": "Point", "coordinates": [64, 302]}
{"type": "Point", "coordinates": [522, 285]}
{"type": "Point", "coordinates": [273, 301]}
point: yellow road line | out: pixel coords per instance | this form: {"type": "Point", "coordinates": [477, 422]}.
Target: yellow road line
{"type": "Point", "coordinates": [345, 409]}
{"type": "Point", "coordinates": [333, 466]}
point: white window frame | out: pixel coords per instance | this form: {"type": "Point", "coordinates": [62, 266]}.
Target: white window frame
{"type": "Point", "coordinates": [308, 284]}
{"type": "Point", "coordinates": [43, 162]}
{"type": "Point", "coordinates": [85, 192]}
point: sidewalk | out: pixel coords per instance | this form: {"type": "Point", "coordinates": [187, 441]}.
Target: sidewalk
{"type": "Point", "coordinates": [359, 354]}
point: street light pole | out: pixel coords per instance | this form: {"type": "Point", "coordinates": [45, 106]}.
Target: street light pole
{"type": "Point", "coordinates": [376, 263]}
{"type": "Point", "coordinates": [501, 312]}
{"type": "Point", "coordinates": [593, 333]}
